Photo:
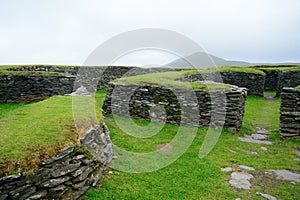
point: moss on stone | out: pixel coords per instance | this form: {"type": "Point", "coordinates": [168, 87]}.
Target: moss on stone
{"type": "Point", "coordinates": [82, 151]}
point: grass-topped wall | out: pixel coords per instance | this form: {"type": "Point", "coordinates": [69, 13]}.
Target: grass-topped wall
{"type": "Point", "coordinates": [212, 103]}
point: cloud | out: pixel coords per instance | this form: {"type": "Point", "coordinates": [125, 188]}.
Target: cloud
{"type": "Point", "coordinates": [66, 31]}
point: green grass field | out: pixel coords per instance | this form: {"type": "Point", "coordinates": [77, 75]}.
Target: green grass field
{"type": "Point", "coordinates": [27, 129]}
{"type": "Point", "coordinates": [192, 178]}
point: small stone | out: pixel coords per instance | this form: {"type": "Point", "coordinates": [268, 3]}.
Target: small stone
{"type": "Point", "coordinates": [232, 151]}
{"type": "Point", "coordinates": [297, 152]}
{"type": "Point", "coordinates": [244, 167]}
{"type": "Point", "coordinates": [264, 148]}
{"type": "Point", "coordinates": [226, 169]}
{"type": "Point", "coordinates": [262, 131]}
{"type": "Point", "coordinates": [38, 195]}
{"type": "Point", "coordinates": [240, 180]}
{"type": "Point", "coordinates": [267, 196]}
{"type": "Point", "coordinates": [110, 172]}
{"type": "Point", "coordinates": [259, 137]}
{"type": "Point", "coordinates": [297, 159]}
{"type": "Point", "coordinates": [287, 175]}
{"type": "Point", "coordinates": [253, 152]}
{"type": "Point", "coordinates": [251, 140]}
{"type": "Point", "coordinates": [55, 182]}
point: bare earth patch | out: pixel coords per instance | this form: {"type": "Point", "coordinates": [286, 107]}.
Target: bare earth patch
{"type": "Point", "coordinates": [166, 148]}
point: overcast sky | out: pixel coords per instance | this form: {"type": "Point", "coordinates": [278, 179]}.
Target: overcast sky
{"type": "Point", "coordinates": [67, 31]}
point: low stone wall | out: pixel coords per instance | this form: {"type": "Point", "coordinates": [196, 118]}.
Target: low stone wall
{"type": "Point", "coordinates": [253, 82]}
{"type": "Point", "coordinates": [67, 175]}
{"type": "Point", "coordinates": [290, 113]}
{"type": "Point", "coordinates": [32, 88]}
{"type": "Point", "coordinates": [146, 98]}
{"type": "Point", "coordinates": [288, 79]}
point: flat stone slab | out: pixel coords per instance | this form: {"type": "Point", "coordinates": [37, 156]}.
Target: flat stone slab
{"type": "Point", "coordinates": [267, 196]}
{"type": "Point", "coordinates": [244, 167]}
{"type": "Point", "coordinates": [226, 169]}
{"type": "Point", "coordinates": [264, 148]}
{"type": "Point", "coordinates": [240, 180]}
{"type": "Point", "coordinates": [257, 136]}
{"type": "Point", "coordinates": [251, 140]}
{"type": "Point", "coordinates": [263, 131]}
{"type": "Point", "coordinates": [287, 175]}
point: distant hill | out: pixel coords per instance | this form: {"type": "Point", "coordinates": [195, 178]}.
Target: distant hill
{"type": "Point", "coordinates": [201, 59]}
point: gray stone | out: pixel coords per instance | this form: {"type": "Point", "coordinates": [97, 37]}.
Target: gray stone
{"type": "Point", "coordinates": [264, 148]}
{"type": "Point", "coordinates": [251, 140]}
{"type": "Point", "coordinates": [259, 137]}
{"type": "Point", "coordinates": [65, 170]}
{"type": "Point", "coordinates": [297, 152]}
{"type": "Point", "coordinates": [287, 175]}
{"type": "Point", "coordinates": [55, 182]}
{"type": "Point", "coordinates": [240, 180]}
{"type": "Point", "coordinates": [81, 91]}
{"type": "Point", "coordinates": [38, 195]}
{"type": "Point", "coordinates": [244, 167]}
{"type": "Point", "coordinates": [267, 196]}
{"type": "Point", "coordinates": [297, 159]}
{"type": "Point", "coordinates": [3, 197]}
{"type": "Point", "coordinates": [262, 131]}
{"type": "Point", "coordinates": [226, 169]}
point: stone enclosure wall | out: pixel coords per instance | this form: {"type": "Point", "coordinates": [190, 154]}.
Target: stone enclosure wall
{"type": "Point", "coordinates": [288, 79]}
{"type": "Point", "coordinates": [290, 113]}
{"type": "Point", "coordinates": [253, 82]}
{"type": "Point", "coordinates": [145, 98]}
{"type": "Point", "coordinates": [31, 88]}
{"type": "Point", "coordinates": [67, 175]}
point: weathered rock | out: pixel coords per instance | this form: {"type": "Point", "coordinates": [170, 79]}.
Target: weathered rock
{"type": "Point", "coordinates": [287, 175]}
{"type": "Point", "coordinates": [226, 169]}
{"type": "Point", "coordinates": [38, 195]}
{"type": "Point", "coordinates": [251, 140]}
{"type": "Point", "coordinates": [244, 167]}
{"type": "Point", "coordinates": [267, 196]}
{"type": "Point", "coordinates": [240, 180]}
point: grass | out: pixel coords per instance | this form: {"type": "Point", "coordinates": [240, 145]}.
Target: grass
{"type": "Point", "coordinates": [298, 87]}
{"type": "Point", "coordinates": [192, 178]}
{"type": "Point", "coordinates": [279, 68]}
{"type": "Point", "coordinates": [31, 133]}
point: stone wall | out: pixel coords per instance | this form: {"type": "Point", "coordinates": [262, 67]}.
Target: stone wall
{"type": "Point", "coordinates": [253, 82]}
{"type": "Point", "coordinates": [290, 113]}
{"type": "Point", "coordinates": [271, 82]}
{"type": "Point", "coordinates": [145, 98]}
{"type": "Point", "coordinates": [33, 88]}
{"type": "Point", "coordinates": [288, 79]}
{"type": "Point", "coordinates": [67, 175]}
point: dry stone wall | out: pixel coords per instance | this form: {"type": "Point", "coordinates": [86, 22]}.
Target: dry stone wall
{"type": "Point", "coordinates": [253, 82]}
{"type": "Point", "coordinates": [146, 98]}
{"type": "Point", "coordinates": [288, 79]}
{"type": "Point", "coordinates": [32, 88]}
{"type": "Point", "coordinates": [290, 113]}
{"type": "Point", "coordinates": [67, 175]}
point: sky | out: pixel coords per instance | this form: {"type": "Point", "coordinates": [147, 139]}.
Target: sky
{"type": "Point", "coordinates": [67, 31]}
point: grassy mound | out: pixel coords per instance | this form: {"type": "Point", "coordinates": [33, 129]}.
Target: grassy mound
{"type": "Point", "coordinates": [31, 133]}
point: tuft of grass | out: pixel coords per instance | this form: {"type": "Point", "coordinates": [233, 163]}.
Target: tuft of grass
{"type": "Point", "coordinates": [298, 87]}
